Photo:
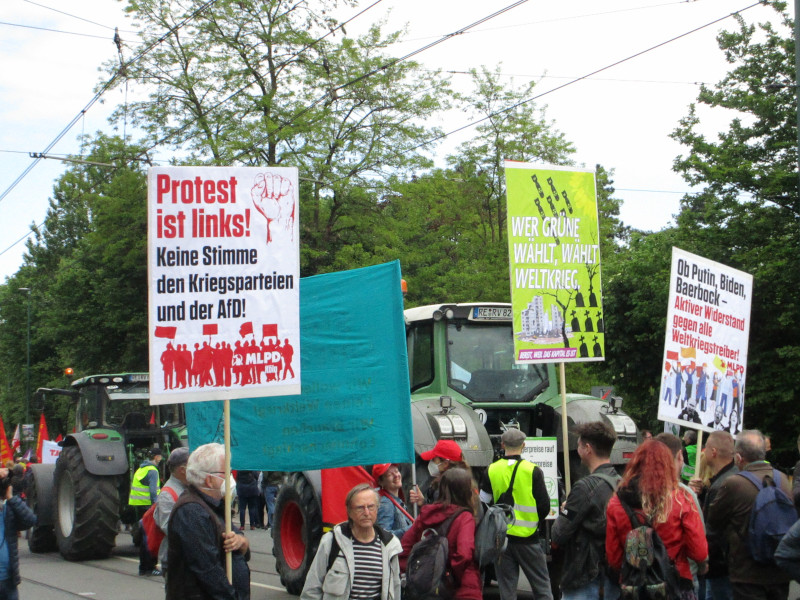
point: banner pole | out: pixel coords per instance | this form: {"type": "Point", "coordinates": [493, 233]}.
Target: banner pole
{"type": "Point", "coordinates": [564, 429]}
{"type": "Point", "coordinates": [227, 430]}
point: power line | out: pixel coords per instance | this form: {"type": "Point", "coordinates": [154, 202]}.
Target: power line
{"type": "Point", "coordinates": [69, 14]}
{"type": "Point", "coordinates": [105, 87]}
{"type": "Point", "coordinates": [581, 78]}
{"type": "Point", "coordinates": [89, 35]}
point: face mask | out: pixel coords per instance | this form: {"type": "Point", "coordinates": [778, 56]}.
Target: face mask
{"type": "Point", "coordinates": [221, 488]}
{"type": "Point", "coordinates": [433, 469]}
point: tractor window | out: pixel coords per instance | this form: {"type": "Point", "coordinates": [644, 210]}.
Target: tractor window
{"type": "Point", "coordinates": [481, 364]}
{"type": "Point", "coordinates": [420, 355]}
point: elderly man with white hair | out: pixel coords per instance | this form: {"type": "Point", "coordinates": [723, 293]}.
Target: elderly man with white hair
{"type": "Point", "coordinates": [197, 538]}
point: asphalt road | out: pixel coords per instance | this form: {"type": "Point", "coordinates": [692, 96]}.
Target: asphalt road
{"type": "Point", "coordinates": [49, 577]}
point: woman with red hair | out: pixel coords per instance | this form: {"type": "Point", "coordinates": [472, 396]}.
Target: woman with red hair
{"type": "Point", "coordinates": [650, 489]}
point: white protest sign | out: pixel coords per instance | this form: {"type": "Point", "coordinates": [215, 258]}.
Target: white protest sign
{"type": "Point", "coordinates": [705, 351]}
{"type": "Point", "coordinates": [543, 453]}
{"type": "Point", "coordinates": [50, 452]}
{"type": "Point", "coordinates": [224, 283]}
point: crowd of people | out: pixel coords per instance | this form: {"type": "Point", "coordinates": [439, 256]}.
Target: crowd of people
{"type": "Point", "coordinates": [676, 524]}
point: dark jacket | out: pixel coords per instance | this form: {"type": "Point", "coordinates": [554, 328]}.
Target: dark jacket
{"type": "Point", "coordinates": [196, 556]}
{"type": "Point", "coordinates": [581, 528]}
{"type": "Point", "coordinates": [730, 512]}
{"type": "Point", "coordinates": [717, 541]}
{"type": "Point", "coordinates": [16, 517]}
{"type": "Point", "coordinates": [788, 553]}
{"type": "Point", "coordinates": [461, 541]}
{"type": "Point", "coordinates": [247, 484]}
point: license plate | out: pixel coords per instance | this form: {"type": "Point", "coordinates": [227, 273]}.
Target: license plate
{"type": "Point", "coordinates": [491, 313]}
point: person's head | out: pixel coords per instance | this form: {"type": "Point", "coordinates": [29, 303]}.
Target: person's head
{"type": "Point", "coordinates": [648, 435]}
{"type": "Point", "coordinates": [651, 471]}
{"type": "Point", "coordinates": [444, 455]}
{"type": "Point", "coordinates": [513, 441]}
{"type": "Point", "coordinates": [690, 437]}
{"type": "Point", "coordinates": [595, 441]}
{"type": "Point", "coordinates": [362, 506]}
{"type": "Point", "coordinates": [749, 447]}
{"type": "Point", "coordinates": [206, 469]}
{"type": "Point", "coordinates": [177, 463]}
{"type": "Point", "coordinates": [456, 488]}
{"type": "Point", "coordinates": [719, 413]}
{"type": "Point", "coordinates": [692, 404]}
{"type": "Point", "coordinates": [675, 446]}
{"type": "Point", "coordinates": [388, 477]}
{"type": "Point", "coordinates": [718, 450]}
{"type": "Point", "coordinates": [155, 455]}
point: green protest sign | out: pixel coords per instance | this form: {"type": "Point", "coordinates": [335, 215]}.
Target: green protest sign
{"type": "Point", "coordinates": [554, 257]}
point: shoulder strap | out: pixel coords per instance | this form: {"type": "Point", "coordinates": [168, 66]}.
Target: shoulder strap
{"type": "Point", "coordinates": [334, 551]}
{"type": "Point", "coordinates": [172, 492]}
{"type": "Point", "coordinates": [386, 494]}
{"type": "Point", "coordinates": [752, 479]}
{"type": "Point", "coordinates": [513, 476]}
{"type": "Point", "coordinates": [635, 520]}
{"type": "Point", "coordinates": [444, 528]}
{"type": "Point", "coordinates": [608, 479]}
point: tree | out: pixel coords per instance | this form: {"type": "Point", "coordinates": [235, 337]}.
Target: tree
{"type": "Point", "coordinates": [262, 82]}
{"type": "Point", "coordinates": [86, 268]}
{"type": "Point", "coordinates": [747, 214]}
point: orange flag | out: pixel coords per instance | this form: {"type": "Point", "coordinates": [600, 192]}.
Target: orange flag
{"type": "Point", "coordinates": [5, 449]}
{"type": "Point", "coordinates": [43, 435]}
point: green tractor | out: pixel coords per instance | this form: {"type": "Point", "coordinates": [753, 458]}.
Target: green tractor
{"type": "Point", "coordinates": [82, 499]}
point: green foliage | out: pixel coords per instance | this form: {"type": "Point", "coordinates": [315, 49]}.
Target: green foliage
{"type": "Point", "coordinates": [747, 215]}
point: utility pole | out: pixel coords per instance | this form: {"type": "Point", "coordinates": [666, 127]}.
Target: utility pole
{"type": "Point", "coordinates": [28, 366]}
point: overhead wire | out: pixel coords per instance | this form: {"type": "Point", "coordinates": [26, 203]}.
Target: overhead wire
{"type": "Point", "coordinates": [104, 88]}
{"type": "Point", "coordinates": [581, 78]}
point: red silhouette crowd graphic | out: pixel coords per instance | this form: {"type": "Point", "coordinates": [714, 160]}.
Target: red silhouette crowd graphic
{"type": "Point", "coordinates": [223, 365]}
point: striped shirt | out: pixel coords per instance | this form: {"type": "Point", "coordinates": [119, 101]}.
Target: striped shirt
{"type": "Point", "coordinates": [368, 570]}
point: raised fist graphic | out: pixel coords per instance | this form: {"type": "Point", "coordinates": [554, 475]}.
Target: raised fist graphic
{"type": "Point", "coordinates": [273, 197]}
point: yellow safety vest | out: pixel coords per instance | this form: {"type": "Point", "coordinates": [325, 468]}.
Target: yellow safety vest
{"type": "Point", "coordinates": [524, 503]}
{"type": "Point", "coordinates": [140, 491]}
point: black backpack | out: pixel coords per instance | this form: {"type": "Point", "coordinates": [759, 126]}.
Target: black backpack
{"type": "Point", "coordinates": [491, 534]}
{"type": "Point", "coordinates": [428, 575]}
{"type": "Point", "coordinates": [647, 571]}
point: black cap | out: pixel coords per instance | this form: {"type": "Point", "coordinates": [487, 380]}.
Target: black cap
{"type": "Point", "coordinates": [156, 452]}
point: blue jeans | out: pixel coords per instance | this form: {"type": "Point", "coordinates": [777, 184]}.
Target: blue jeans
{"type": "Point", "coordinates": [591, 591]}
{"type": "Point", "coordinates": [270, 493]}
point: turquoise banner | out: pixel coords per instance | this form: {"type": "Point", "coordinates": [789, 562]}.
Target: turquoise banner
{"type": "Point", "coordinates": [355, 404]}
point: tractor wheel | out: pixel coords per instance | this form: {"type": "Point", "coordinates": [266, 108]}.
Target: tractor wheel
{"type": "Point", "coordinates": [296, 531]}
{"type": "Point", "coordinates": [39, 495]}
{"type": "Point", "coordinates": [87, 508]}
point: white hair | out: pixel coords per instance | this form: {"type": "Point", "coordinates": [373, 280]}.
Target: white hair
{"type": "Point", "coordinates": [204, 460]}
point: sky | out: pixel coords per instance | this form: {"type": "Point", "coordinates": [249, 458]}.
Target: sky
{"type": "Point", "coordinates": [621, 118]}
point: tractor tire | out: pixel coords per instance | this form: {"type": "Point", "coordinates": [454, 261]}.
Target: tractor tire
{"type": "Point", "coordinates": [39, 496]}
{"type": "Point", "coordinates": [87, 509]}
{"type": "Point", "coordinates": [296, 531]}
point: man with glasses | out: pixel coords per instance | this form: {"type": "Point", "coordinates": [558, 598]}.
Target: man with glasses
{"type": "Point", "coordinates": [357, 559]}
{"type": "Point", "coordinates": [197, 541]}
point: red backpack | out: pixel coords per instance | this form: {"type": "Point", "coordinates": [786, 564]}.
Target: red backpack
{"type": "Point", "coordinates": [153, 531]}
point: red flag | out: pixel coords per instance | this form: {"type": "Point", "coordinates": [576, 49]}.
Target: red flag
{"type": "Point", "coordinates": [269, 330]}
{"type": "Point", "coordinates": [667, 366]}
{"type": "Point", "coordinates": [209, 329]}
{"type": "Point", "coordinates": [15, 440]}
{"type": "Point", "coordinates": [672, 355]}
{"type": "Point", "coordinates": [153, 415]}
{"type": "Point", "coordinates": [5, 449]}
{"type": "Point", "coordinates": [166, 332]}
{"type": "Point", "coordinates": [43, 435]}
{"type": "Point", "coordinates": [336, 483]}
{"type": "Point", "coordinates": [59, 438]}
{"type": "Point", "coordinates": [246, 329]}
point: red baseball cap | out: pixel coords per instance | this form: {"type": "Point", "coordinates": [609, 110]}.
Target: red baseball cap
{"type": "Point", "coordinates": [446, 449]}
{"type": "Point", "coordinates": [379, 470]}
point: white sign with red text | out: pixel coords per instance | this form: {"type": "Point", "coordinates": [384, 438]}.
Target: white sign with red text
{"type": "Point", "coordinates": [224, 283]}
{"type": "Point", "coordinates": [50, 452]}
